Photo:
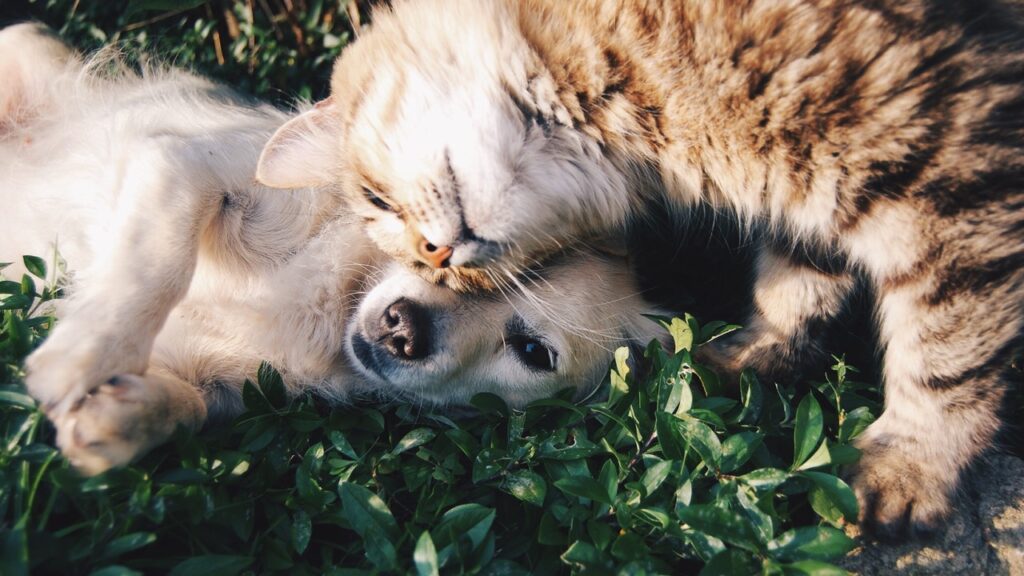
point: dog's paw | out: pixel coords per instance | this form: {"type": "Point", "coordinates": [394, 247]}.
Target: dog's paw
{"type": "Point", "coordinates": [900, 496]}
{"type": "Point", "coordinates": [76, 360]}
{"type": "Point", "coordinates": [60, 379]}
{"type": "Point", "coordinates": [115, 423]}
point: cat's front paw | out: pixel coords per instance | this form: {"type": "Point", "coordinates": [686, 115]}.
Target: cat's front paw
{"type": "Point", "coordinates": [115, 423]}
{"type": "Point", "coordinates": [770, 360]}
{"type": "Point", "coordinates": [900, 495]}
{"type": "Point", "coordinates": [726, 361]}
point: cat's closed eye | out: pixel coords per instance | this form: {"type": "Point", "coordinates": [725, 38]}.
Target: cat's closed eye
{"type": "Point", "coordinates": [376, 200]}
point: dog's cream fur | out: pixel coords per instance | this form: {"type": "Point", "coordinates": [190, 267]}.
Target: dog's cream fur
{"type": "Point", "coordinates": [184, 274]}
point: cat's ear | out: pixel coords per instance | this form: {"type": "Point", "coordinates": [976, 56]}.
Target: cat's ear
{"type": "Point", "coordinates": [303, 152]}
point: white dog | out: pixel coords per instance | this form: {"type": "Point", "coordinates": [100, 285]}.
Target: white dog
{"type": "Point", "coordinates": [185, 274]}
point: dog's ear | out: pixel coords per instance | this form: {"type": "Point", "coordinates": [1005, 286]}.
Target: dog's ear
{"type": "Point", "coordinates": [303, 152]}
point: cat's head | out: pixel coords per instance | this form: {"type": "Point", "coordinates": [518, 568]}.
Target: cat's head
{"type": "Point", "coordinates": [556, 328]}
{"type": "Point", "coordinates": [447, 136]}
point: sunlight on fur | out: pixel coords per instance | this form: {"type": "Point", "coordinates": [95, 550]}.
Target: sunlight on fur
{"type": "Point", "coordinates": [185, 274]}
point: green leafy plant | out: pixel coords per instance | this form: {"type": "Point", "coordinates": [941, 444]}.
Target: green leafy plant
{"type": "Point", "coordinates": [669, 474]}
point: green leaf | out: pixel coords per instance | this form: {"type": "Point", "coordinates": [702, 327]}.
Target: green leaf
{"type": "Point", "coordinates": [831, 498]}
{"type": "Point", "coordinates": [582, 554]}
{"type": "Point", "coordinates": [709, 380]}
{"type": "Point", "coordinates": [807, 431]}
{"type": "Point", "coordinates": [302, 531]}
{"type": "Point", "coordinates": [751, 396]}
{"type": "Point", "coordinates": [731, 562]}
{"type": "Point", "coordinates": [680, 432]}
{"type": "Point", "coordinates": [619, 384]}
{"type": "Point", "coordinates": [527, 486]}
{"type": "Point", "coordinates": [609, 478]}
{"type": "Point", "coordinates": [759, 521]}
{"type": "Point", "coordinates": [600, 533]}
{"type": "Point", "coordinates": [14, 398]}
{"type": "Point", "coordinates": [471, 522]}
{"type": "Point", "coordinates": [715, 330]}
{"type": "Point", "coordinates": [584, 487]}
{"type": "Point", "coordinates": [254, 400]}
{"type": "Point", "coordinates": [127, 543]}
{"type": "Point", "coordinates": [855, 422]}
{"type": "Point", "coordinates": [684, 494]}
{"type": "Point", "coordinates": [14, 545]}
{"type": "Point", "coordinates": [425, 556]}
{"type": "Point", "coordinates": [811, 543]}
{"type": "Point", "coordinates": [549, 532]}
{"type": "Point", "coordinates": [720, 523]}
{"type": "Point", "coordinates": [682, 334]}
{"type": "Point", "coordinates": [765, 479]}
{"type": "Point", "coordinates": [738, 448]}
{"type": "Point", "coordinates": [371, 519]}
{"type": "Point", "coordinates": [465, 441]}
{"type": "Point", "coordinates": [843, 454]}
{"type": "Point", "coordinates": [212, 565]}
{"type": "Point", "coordinates": [629, 547]}
{"type": "Point", "coordinates": [654, 516]}
{"type": "Point", "coordinates": [812, 568]}
{"type": "Point", "coordinates": [115, 570]}
{"type": "Point", "coordinates": [341, 444]}
{"type": "Point", "coordinates": [486, 403]}
{"type": "Point", "coordinates": [821, 457]}
{"type": "Point", "coordinates": [413, 439]}
{"type": "Point", "coordinates": [272, 385]}
{"type": "Point", "coordinates": [36, 266]}
{"type": "Point", "coordinates": [655, 475]}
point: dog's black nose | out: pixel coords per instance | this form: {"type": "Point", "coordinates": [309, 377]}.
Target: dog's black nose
{"type": "Point", "coordinates": [405, 330]}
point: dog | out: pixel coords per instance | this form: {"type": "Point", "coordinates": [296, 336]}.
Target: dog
{"type": "Point", "coordinates": [183, 274]}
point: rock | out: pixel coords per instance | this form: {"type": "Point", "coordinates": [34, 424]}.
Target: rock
{"type": "Point", "coordinates": [985, 536]}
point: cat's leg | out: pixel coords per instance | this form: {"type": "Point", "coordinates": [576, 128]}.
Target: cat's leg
{"type": "Point", "coordinates": [168, 193]}
{"type": "Point", "coordinates": [126, 417]}
{"type": "Point", "coordinates": [794, 301]}
{"type": "Point", "coordinates": [951, 324]}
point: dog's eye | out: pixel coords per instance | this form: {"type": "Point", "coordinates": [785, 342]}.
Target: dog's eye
{"type": "Point", "coordinates": [377, 200]}
{"type": "Point", "coordinates": [533, 353]}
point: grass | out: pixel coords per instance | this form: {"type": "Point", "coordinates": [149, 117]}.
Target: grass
{"type": "Point", "coordinates": [668, 475]}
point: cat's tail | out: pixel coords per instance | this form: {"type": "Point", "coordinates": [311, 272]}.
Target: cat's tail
{"type": "Point", "coordinates": [32, 57]}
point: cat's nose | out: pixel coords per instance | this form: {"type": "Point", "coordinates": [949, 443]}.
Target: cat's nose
{"type": "Point", "coordinates": [436, 256]}
{"type": "Point", "coordinates": [405, 330]}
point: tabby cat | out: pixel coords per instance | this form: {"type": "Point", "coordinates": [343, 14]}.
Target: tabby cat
{"type": "Point", "coordinates": [879, 138]}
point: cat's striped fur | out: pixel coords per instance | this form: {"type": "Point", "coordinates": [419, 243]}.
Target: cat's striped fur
{"type": "Point", "coordinates": [879, 137]}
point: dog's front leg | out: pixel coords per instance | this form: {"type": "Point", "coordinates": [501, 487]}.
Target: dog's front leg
{"type": "Point", "coordinates": [168, 192]}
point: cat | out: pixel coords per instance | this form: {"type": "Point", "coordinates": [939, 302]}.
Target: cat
{"type": "Point", "coordinates": [183, 274]}
{"type": "Point", "coordinates": [875, 138]}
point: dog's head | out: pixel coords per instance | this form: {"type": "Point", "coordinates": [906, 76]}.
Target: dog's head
{"type": "Point", "coordinates": [551, 329]}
